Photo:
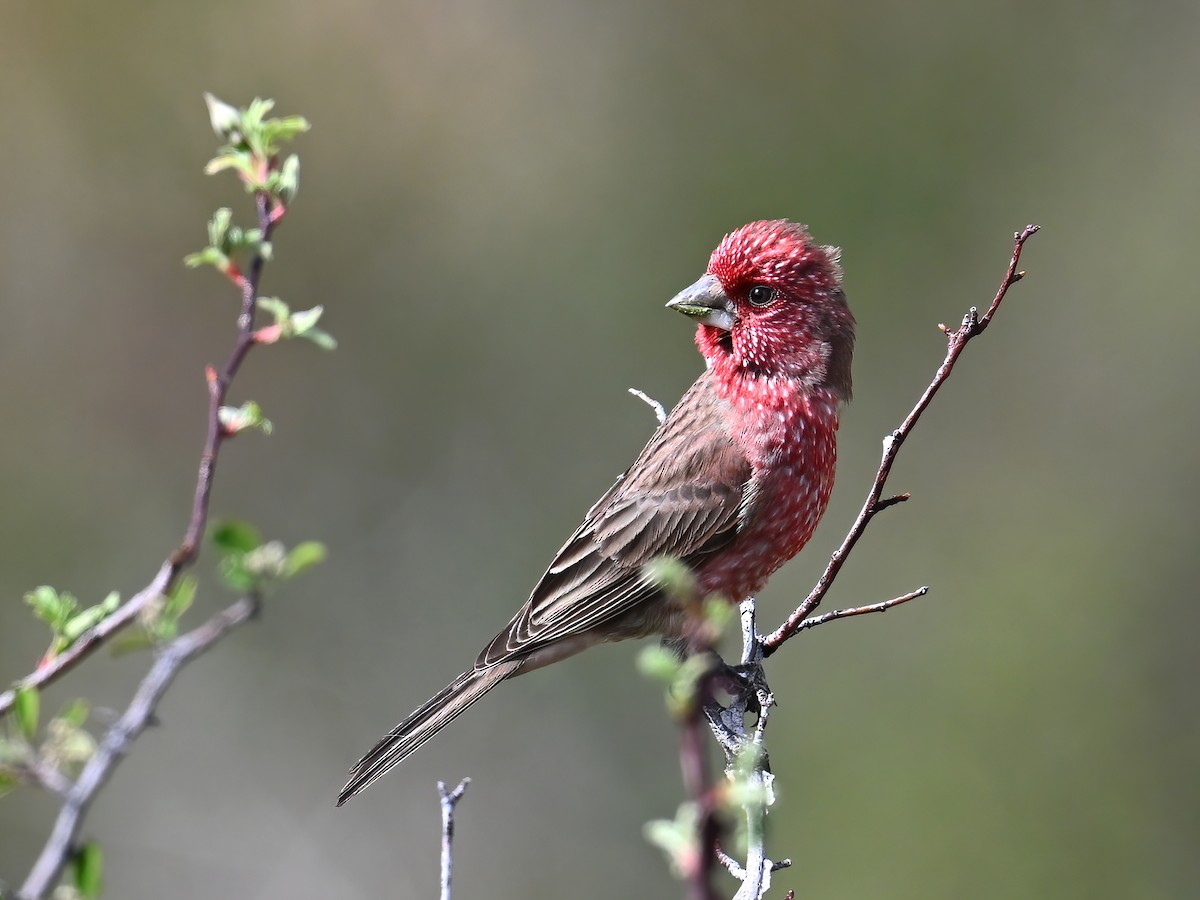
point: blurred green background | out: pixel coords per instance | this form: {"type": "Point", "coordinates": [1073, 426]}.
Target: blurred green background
{"type": "Point", "coordinates": [497, 199]}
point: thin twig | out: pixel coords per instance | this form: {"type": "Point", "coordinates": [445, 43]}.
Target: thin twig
{"type": "Point", "coordinates": [957, 339]}
{"type": "Point", "coordinates": [732, 866]}
{"type": "Point", "coordinates": [38, 771]}
{"type": "Point", "coordinates": [884, 606]}
{"type": "Point", "coordinates": [185, 554]}
{"type": "Point", "coordinates": [659, 412]}
{"type": "Point", "coordinates": [449, 800]}
{"type": "Point", "coordinates": [117, 741]}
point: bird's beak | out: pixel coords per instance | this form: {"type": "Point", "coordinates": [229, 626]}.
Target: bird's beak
{"type": "Point", "coordinates": [706, 302]}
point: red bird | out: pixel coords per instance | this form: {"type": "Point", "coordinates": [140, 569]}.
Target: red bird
{"type": "Point", "coordinates": [733, 483]}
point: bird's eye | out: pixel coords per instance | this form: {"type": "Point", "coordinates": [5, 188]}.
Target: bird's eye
{"type": "Point", "coordinates": [761, 295]}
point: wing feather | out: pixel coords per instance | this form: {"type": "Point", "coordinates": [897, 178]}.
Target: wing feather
{"type": "Point", "coordinates": [682, 498]}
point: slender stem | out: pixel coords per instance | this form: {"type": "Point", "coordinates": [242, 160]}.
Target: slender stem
{"type": "Point", "coordinates": [449, 799]}
{"type": "Point", "coordinates": [119, 738]}
{"type": "Point", "coordinates": [884, 606]}
{"type": "Point", "coordinates": [185, 554]}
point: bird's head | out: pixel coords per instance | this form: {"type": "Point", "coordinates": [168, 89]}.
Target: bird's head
{"type": "Point", "coordinates": [771, 303]}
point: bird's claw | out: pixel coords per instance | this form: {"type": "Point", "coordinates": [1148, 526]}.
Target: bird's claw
{"type": "Point", "coordinates": [745, 682]}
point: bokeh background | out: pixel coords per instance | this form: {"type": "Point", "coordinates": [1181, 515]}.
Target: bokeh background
{"type": "Point", "coordinates": [497, 199]}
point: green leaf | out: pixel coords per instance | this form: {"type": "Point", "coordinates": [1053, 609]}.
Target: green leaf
{"type": "Point", "coordinates": [236, 536]}
{"type": "Point", "coordinates": [289, 179]}
{"type": "Point", "coordinates": [687, 681]}
{"type": "Point", "coordinates": [88, 865]}
{"type": "Point", "coordinates": [68, 744]}
{"type": "Point", "coordinates": [51, 607]}
{"type": "Point", "coordinates": [274, 307]}
{"type": "Point", "coordinates": [274, 133]}
{"type": "Point", "coordinates": [25, 707]}
{"type": "Point", "coordinates": [659, 663]}
{"type": "Point", "coordinates": [233, 571]}
{"type": "Point", "coordinates": [268, 562]}
{"type": "Point", "coordinates": [234, 239]}
{"type": "Point", "coordinates": [239, 418]}
{"type": "Point", "coordinates": [165, 625]}
{"type": "Point", "coordinates": [305, 319]}
{"type": "Point", "coordinates": [718, 613]}
{"type": "Point", "coordinates": [209, 256]}
{"type": "Point", "coordinates": [252, 116]}
{"type": "Point", "coordinates": [8, 781]}
{"type": "Point", "coordinates": [322, 339]}
{"type": "Point", "coordinates": [677, 838]}
{"type": "Point", "coordinates": [90, 617]}
{"type": "Point", "coordinates": [239, 161]}
{"type": "Point", "coordinates": [280, 131]}
{"type": "Point", "coordinates": [75, 713]}
{"type": "Point", "coordinates": [218, 226]}
{"type": "Point", "coordinates": [673, 577]}
{"type": "Point", "coordinates": [225, 119]}
{"type": "Point", "coordinates": [132, 642]}
{"type": "Point", "coordinates": [303, 556]}
{"type": "Point", "coordinates": [180, 599]}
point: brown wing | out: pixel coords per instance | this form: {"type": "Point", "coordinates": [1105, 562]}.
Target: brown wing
{"type": "Point", "coordinates": [682, 498]}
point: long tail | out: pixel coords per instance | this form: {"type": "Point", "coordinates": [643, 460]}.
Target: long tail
{"type": "Point", "coordinates": [423, 723]}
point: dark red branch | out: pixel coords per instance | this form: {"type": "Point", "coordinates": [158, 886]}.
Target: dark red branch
{"type": "Point", "coordinates": [694, 763]}
{"type": "Point", "coordinates": [185, 554]}
{"type": "Point", "coordinates": [957, 339]}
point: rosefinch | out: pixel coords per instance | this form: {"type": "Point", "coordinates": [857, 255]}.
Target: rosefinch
{"type": "Point", "coordinates": [733, 483]}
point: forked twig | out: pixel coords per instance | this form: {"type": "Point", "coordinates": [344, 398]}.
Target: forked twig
{"type": "Point", "coordinates": [957, 339]}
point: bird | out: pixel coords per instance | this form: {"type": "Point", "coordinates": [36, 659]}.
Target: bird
{"type": "Point", "coordinates": [732, 483]}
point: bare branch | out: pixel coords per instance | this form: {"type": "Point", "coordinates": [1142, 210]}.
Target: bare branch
{"type": "Point", "coordinates": [659, 412]}
{"type": "Point", "coordinates": [892, 501]}
{"type": "Point", "coordinates": [731, 865]}
{"type": "Point", "coordinates": [449, 800]}
{"type": "Point", "coordinates": [117, 741]}
{"type": "Point", "coordinates": [884, 606]}
{"type": "Point", "coordinates": [957, 339]}
{"type": "Point", "coordinates": [185, 554]}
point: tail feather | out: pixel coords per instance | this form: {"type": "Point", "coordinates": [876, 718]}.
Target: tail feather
{"type": "Point", "coordinates": [423, 723]}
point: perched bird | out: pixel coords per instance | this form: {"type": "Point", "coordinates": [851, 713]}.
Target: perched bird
{"type": "Point", "coordinates": [732, 483]}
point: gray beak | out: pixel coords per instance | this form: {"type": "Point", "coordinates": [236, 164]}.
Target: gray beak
{"type": "Point", "coordinates": [706, 302]}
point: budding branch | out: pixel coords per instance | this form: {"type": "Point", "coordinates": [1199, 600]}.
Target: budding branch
{"type": "Point", "coordinates": [185, 554]}
{"type": "Point", "coordinates": [78, 796]}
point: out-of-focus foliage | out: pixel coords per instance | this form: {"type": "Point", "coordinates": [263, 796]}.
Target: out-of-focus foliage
{"type": "Point", "coordinates": [498, 198]}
